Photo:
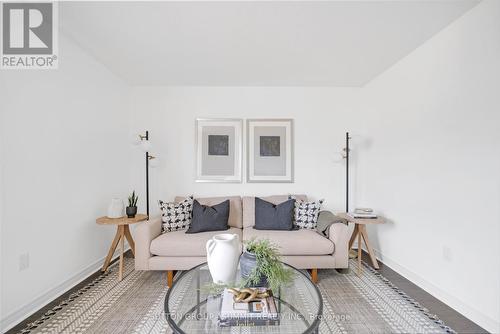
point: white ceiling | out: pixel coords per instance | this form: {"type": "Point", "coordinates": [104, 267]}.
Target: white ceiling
{"type": "Point", "coordinates": [304, 43]}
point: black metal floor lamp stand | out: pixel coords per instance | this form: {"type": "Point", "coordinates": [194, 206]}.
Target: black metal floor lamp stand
{"type": "Point", "coordinates": [143, 140]}
{"type": "Point", "coordinates": [346, 150]}
{"type": "Point", "coordinates": [147, 178]}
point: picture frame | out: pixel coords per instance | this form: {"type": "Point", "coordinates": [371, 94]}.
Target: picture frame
{"type": "Point", "coordinates": [270, 151]}
{"type": "Point", "coordinates": [219, 150]}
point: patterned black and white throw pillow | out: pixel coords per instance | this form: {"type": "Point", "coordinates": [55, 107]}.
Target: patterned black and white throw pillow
{"type": "Point", "coordinates": [176, 216]}
{"type": "Point", "coordinates": [307, 213]}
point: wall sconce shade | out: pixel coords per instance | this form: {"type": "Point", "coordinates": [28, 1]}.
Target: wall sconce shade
{"type": "Point", "coordinates": [146, 145]}
{"type": "Point", "coordinates": [153, 161]}
{"type": "Point", "coordinates": [135, 139]}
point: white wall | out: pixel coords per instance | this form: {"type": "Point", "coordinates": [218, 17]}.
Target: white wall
{"type": "Point", "coordinates": [433, 164]}
{"type": "Point", "coordinates": [65, 144]}
{"type": "Point", "coordinates": [425, 153]}
{"type": "Point", "coordinates": [321, 117]}
{"type": "Point", "coordinates": [1, 205]}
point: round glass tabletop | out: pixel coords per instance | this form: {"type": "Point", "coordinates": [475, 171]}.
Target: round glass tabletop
{"type": "Point", "coordinates": [192, 305]}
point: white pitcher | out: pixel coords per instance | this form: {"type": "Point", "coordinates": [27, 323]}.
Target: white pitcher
{"type": "Point", "coordinates": [223, 254]}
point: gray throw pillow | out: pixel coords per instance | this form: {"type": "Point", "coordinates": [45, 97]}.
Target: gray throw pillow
{"type": "Point", "coordinates": [209, 218]}
{"type": "Point", "coordinates": [269, 216]}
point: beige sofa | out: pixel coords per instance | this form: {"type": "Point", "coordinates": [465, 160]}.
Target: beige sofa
{"type": "Point", "coordinates": [303, 249]}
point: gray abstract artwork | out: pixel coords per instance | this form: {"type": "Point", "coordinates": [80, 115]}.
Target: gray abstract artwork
{"type": "Point", "coordinates": [218, 145]}
{"type": "Point", "coordinates": [269, 146]}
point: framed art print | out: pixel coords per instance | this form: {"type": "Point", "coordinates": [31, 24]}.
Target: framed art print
{"type": "Point", "coordinates": [270, 150]}
{"type": "Point", "coordinates": [219, 145]}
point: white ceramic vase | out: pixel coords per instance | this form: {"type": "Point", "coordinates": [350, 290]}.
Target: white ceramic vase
{"type": "Point", "coordinates": [115, 208]}
{"type": "Point", "coordinates": [223, 255]}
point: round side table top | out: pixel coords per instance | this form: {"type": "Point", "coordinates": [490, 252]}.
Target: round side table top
{"type": "Point", "coordinates": [122, 221]}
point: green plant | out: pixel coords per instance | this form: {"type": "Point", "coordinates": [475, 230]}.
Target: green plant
{"type": "Point", "coordinates": [268, 265]}
{"type": "Point", "coordinates": [132, 199]}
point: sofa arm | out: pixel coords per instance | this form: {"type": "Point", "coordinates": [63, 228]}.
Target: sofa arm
{"type": "Point", "coordinates": [339, 235]}
{"type": "Point", "coordinates": [144, 233]}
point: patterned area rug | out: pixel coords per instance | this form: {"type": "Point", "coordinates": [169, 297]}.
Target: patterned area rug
{"type": "Point", "coordinates": [352, 304]}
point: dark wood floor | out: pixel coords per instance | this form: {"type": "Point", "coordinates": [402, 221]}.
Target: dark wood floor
{"type": "Point", "coordinates": [38, 314]}
{"type": "Point", "coordinates": [450, 317]}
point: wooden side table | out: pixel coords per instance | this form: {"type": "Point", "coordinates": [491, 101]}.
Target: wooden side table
{"type": "Point", "coordinates": [122, 232]}
{"type": "Point", "coordinates": [360, 233]}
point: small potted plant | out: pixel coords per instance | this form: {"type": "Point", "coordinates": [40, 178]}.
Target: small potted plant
{"type": "Point", "coordinates": [261, 266]}
{"type": "Point", "coordinates": [132, 205]}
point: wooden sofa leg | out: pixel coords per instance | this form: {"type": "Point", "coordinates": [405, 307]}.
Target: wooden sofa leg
{"type": "Point", "coordinates": [170, 278]}
{"type": "Point", "coordinates": [314, 275]}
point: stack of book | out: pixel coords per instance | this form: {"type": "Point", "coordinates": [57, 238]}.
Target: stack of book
{"type": "Point", "coordinates": [362, 213]}
{"type": "Point", "coordinates": [256, 313]}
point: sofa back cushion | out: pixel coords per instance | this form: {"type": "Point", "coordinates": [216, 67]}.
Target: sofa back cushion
{"type": "Point", "coordinates": [249, 206]}
{"type": "Point", "coordinates": [235, 211]}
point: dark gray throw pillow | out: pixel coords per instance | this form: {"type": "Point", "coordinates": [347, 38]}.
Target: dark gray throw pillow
{"type": "Point", "coordinates": [209, 218]}
{"type": "Point", "coordinates": [269, 216]}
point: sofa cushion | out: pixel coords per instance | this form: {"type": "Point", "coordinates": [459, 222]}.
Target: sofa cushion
{"type": "Point", "coordinates": [235, 212]}
{"type": "Point", "coordinates": [249, 206]}
{"type": "Point", "coordinates": [297, 242]}
{"type": "Point", "coordinates": [178, 243]}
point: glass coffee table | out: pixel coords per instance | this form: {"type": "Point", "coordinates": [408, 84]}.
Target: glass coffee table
{"type": "Point", "coordinates": [192, 307]}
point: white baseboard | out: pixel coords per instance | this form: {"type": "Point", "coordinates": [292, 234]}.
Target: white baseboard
{"type": "Point", "coordinates": [15, 317]}
{"type": "Point", "coordinates": [474, 315]}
